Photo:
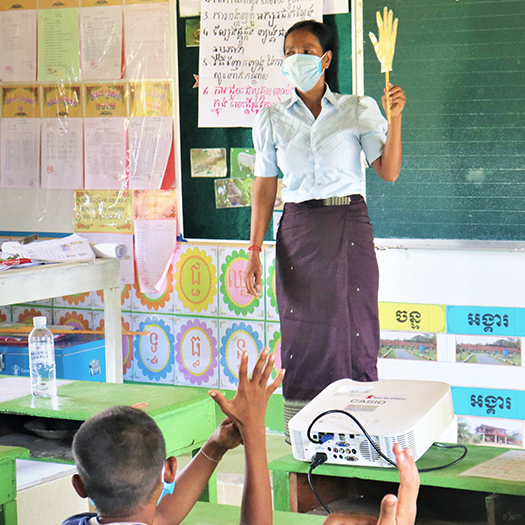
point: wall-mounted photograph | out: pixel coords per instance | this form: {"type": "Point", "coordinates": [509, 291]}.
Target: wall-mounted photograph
{"type": "Point", "coordinates": [407, 345]}
{"type": "Point", "coordinates": [488, 350]}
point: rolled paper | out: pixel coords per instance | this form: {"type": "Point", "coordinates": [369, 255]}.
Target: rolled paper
{"type": "Point", "coordinates": [110, 250]}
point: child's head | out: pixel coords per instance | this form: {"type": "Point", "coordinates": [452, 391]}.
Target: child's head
{"type": "Point", "coordinates": [120, 453]}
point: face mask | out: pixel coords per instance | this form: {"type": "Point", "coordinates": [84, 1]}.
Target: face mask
{"type": "Point", "coordinates": [168, 489]}
{"type": "Point", "coordinates": [303, 71]}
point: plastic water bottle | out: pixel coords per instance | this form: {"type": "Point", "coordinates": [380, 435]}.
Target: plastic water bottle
{"type": "Point", "coordinates": [42, 360]}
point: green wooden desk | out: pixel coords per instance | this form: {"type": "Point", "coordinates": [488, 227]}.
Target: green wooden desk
{"type": "Point", "coordinates": [8, 457]}
{"type": "Point", "coordinates": [287, 471]}
{"type": "Point", "coordinates": [185, 415]}
{"type": "Point", "coordinates": [214, 514]}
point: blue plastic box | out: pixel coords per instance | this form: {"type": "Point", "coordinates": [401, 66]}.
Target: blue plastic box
{"type": "Point", "coordinates": [81, 357]}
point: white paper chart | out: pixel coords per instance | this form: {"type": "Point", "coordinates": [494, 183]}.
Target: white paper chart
{"type": "Point", "coordinates": [155, 243]}
{"type": "Point", "coordinates": [241, 57]}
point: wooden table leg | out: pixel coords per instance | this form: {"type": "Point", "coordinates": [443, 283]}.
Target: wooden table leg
{"type": "Point", "coordinates": [281, 490]}
{"type": "Point", "coordinates": [8, 513]}
{"type": "Point", "coordinates": [113, 329]}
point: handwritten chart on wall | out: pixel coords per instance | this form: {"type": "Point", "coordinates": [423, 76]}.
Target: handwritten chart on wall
{"type": "Point", "coordinates": [241, 57]}
{"type": "Point", "coordinates": [462, 66]}
{"type": "Point", "coordinates": [201, 218]}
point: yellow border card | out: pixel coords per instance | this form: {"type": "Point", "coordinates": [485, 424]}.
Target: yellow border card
{"type": "Point", "coordinates": [413, 317]}
{"type": "Point", "coordinates": [62, 101]}
{"type": "Point", "coordinates": [108, 211]}
{"type": "Point", "coordinates": [134, 2]}
{"type": "Point", "coordinates": [20, 101]}
{"type": "Point", "coordinates": [150, 99]}
{"type": "Point", "coordinates": [155, 204]}
{"type": "Point", "coordinates": [100, 3]}
{"type": "Point", "coordinates": [17, 5]}
{"type": "Point", "coordinates": [106, 100]}
{"type": "Point", "coordinates": [54, 4]}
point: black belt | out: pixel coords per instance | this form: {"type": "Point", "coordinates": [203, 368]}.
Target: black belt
{"type": "Point", "coordinates": [333, 201]}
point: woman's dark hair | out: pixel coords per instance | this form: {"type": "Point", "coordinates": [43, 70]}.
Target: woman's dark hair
{"type": "Point", "coordinates": [321, 31]}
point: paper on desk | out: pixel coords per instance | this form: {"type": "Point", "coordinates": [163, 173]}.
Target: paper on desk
{"type": "Point", "coordinates": [15, 387]}
{"type": "Point", "coordinates": [71, 248]}
{"type": "Point", "coordinates": [110, 250]}
{"type": "Point", "coordinates": [509, 467]}
{"type": "Point", "coordinates": [105, 241]}
{"type": "Point", "coordinates": [155, 243]}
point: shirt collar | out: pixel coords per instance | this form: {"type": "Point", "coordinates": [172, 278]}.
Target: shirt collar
{"type": "Point", "coordinates": [331, 97]}
{"type": "Point", "coordinates": [328, 95]}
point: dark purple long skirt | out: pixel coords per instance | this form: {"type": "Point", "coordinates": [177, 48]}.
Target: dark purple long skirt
{"type": "Point", "coordinates": [327, 281]}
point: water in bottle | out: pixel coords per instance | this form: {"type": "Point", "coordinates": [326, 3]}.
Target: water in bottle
{"type": "Point", "coordinates": [42, 360]}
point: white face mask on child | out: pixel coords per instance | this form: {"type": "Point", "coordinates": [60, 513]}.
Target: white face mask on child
{"type": "Point", "coordinates": [303, 71]}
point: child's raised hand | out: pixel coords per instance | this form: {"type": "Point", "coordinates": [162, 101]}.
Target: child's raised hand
{"type": "Point", "coordinates": [248, 408]}
{"type": "Point", "coordinates": [402, 510]}
{"type": "Point", "coordinates": [394, 511]}
{"type": "Point", "coordinates": [225, 437]}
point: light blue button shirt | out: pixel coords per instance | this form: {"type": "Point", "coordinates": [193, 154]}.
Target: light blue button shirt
{"type": "Point", "coordinates": [319, 158]}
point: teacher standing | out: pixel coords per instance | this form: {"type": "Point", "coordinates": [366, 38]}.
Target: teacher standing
{"type": "Point", "coordinates": [326, 270]}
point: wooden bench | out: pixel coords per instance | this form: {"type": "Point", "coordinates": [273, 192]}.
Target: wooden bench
{"type": "Point", "coordinates": [216, 514]}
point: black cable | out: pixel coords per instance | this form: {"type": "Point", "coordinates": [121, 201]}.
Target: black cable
{"type": "Point", "coordinates": [456, 461]}
{"type": "Point", "coordinates": [356, 421]}
{"type": "Point", "coordinates": [375, 446]}
{"type": "Point", "coordinates": [318, 459]}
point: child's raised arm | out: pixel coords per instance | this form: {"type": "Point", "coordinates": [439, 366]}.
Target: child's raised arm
{"type": "Point", "coordinates": [247, 410]}
{"type": "Point", "coordinates": [394, 511]}
{"type": "Point", "coordinates": [190, 483]}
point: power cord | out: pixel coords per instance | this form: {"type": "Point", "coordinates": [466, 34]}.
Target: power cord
{"type": "Point", "coordinates": [320, 457]}
{"type": "Point", "coordinates": [376, 447]}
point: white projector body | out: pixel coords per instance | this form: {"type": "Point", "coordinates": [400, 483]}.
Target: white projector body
{"type": "Point", "coordinates": [411, 413]}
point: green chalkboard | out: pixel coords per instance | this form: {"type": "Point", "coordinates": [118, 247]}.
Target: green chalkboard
{"type": "Point", "coordinates": [201, 218]}
{"type": "Point", "coordinates": [462, 66]}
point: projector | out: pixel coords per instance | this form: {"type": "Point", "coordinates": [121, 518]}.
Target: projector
{"type": "Point", "coordinates": [411, 413]}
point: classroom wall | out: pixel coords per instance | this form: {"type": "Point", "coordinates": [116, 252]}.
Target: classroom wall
{"type": "Point", "coordinates": [201, 321]}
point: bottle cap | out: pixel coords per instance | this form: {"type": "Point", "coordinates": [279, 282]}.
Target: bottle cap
{"type": "Point", "coordinates": [39, 321]}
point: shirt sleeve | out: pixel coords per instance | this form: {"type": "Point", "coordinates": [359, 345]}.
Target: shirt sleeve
{"type": "Point", "coordinates": [265, 152]}
{"type": "Point", "coordinates": [372, 128]}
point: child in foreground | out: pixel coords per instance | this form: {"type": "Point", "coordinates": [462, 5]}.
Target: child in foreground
{"type": "Point", "coordinates": [120, 455]}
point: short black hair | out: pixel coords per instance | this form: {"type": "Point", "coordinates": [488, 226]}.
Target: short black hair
{"type": "Point", "coordinates": [119, 453]}
{"type": "Point", "coordinates": [321, 31]}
